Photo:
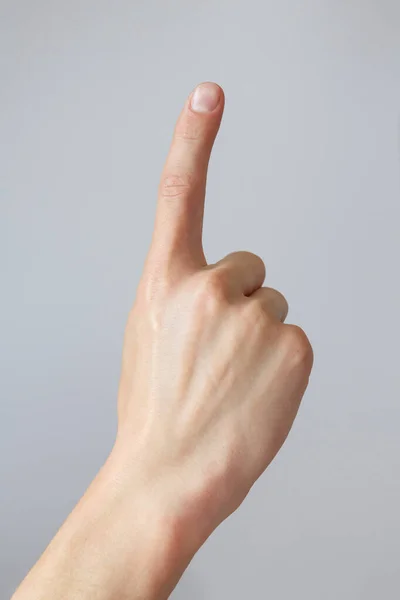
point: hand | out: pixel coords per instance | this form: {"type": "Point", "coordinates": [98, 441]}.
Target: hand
{"type": "Point", "coordinates": [211, 377]}
{"type": "Point", "coordinates": [211, 382]}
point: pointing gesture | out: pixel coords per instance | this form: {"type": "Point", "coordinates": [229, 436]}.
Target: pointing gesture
{"type": "Point", "coordinates": [211, 382]}
{"type": "Point", "coordinates": [212, 378]}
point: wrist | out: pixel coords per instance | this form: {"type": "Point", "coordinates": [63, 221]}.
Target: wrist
{"type": "Point", "coordinates": [139, 528]}
{"type": "Point", "coordinates": [147, 536]}
{"type": "Point", "coordinates": [124, 539]}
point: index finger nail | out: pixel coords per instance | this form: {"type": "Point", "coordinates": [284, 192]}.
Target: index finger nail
{"type": "Point", "coordinates": [205, 97]}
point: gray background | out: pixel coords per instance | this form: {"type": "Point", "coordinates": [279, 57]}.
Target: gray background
{"type": "Point", "coordinates": [305, 173]}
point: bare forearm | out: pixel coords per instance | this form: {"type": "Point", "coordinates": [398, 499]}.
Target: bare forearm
{"type": "Point", "coordinates": [119, 542]}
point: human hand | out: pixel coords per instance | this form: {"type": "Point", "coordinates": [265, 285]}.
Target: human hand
{"type": "Point", "coordinates": [211, 377]}
{"type": "Point", "coordinates": [210, 385]}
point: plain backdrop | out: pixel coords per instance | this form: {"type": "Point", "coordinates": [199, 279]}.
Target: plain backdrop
{"type": "Point", "coordinates": [305, 173]}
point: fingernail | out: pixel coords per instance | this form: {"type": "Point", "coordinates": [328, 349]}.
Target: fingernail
{"type": "Point", "coordinates": [206, 97]}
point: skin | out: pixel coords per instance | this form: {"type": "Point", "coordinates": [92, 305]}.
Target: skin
{"type": "Point", "coordinates": [211, 382]}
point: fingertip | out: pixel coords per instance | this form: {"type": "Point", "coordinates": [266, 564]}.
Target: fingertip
{"type": "Point", "coordinates": [207, 97]}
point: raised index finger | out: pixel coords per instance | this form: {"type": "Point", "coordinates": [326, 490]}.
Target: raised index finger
{"type": "Point", "coordinates": [177, 238]}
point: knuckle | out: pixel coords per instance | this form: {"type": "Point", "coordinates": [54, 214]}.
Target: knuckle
{"type": "Point", "coordinates": [175, 186]}
{"type": "Point", "coordinates": [260, 265]}
{"type": "Point", "coordinates": [214, 285]}
{"type": "Point", "coordinates": [256, 316]}
{"type": "Point", "coordinates": [297, 347]}
{"type": "Point", "coordinates": [256, 260]}
{"type": "Point", "coordinates": [281, 304]}
{"type": "Point", "coordinates": [279, 296]}
{"type": "Point", "coordinates": [253, 261]}
{"type": "Point", "coordinates": [211, 290]}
